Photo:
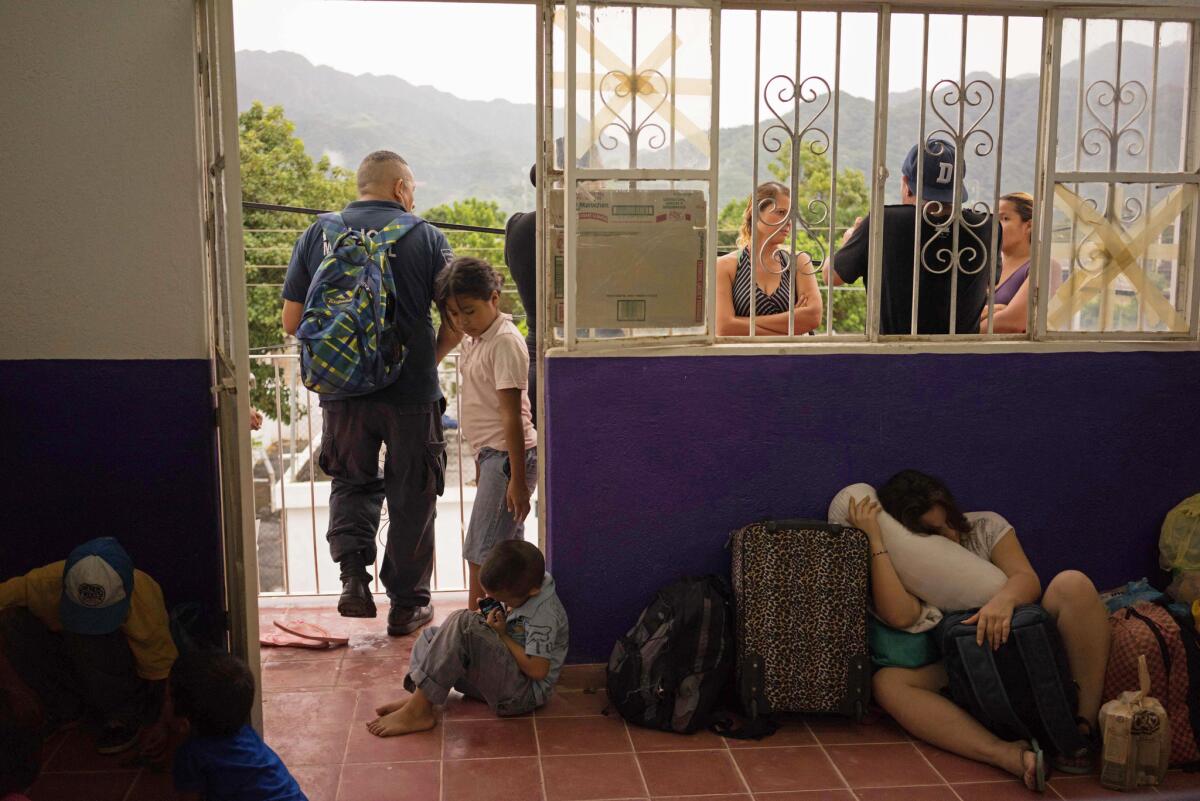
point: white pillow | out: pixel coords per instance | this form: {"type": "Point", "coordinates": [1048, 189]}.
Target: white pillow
{"type": "Point", "coordinates": [936, 570]}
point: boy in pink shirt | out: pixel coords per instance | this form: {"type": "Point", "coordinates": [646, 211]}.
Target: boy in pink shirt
{"type": "Point", "coordinates": [496, 418]}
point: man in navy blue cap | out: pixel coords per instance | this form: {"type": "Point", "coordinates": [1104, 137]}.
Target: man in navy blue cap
{"type": "Point", "coordinates": [90, 635]}
{"type": "Point", "coordinates": [938, 258]}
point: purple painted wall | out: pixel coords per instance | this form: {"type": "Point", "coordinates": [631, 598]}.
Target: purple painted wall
{"type": "Point", "coordinates": [652, 461]}
{"type": "Point", "coordinates": [110, 447]}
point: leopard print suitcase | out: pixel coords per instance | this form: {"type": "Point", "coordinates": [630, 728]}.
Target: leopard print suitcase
{"type": "Point", "coordinates": [801, 617]}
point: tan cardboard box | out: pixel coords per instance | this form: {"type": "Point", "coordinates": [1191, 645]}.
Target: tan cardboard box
{"type": "Point", "coordinates": [640, 258]}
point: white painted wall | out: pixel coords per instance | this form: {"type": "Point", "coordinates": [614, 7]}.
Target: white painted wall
{"type": "Point", "coordinates": [99, 183]}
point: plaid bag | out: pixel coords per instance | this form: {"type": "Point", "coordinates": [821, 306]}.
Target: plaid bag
{"type": "Point", "coordinates": [1173, 656]}
{"type": "Point", "coordinates": [350, 340]}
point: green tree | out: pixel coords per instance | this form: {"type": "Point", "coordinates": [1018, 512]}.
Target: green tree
{"type": "Point", "coordinates": [814, 193]}
{"type": "Point", "coordinates": [276, 169]}
{"type": "Point", "coordinates": [490, 247]}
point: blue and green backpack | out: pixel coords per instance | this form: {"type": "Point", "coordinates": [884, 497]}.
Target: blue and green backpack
{"type": "Point", "coordinates": [350, 339]}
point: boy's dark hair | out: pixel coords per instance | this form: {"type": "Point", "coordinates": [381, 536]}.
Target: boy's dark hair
{"type": "Point", "coordinates": [513, 566]}
{"type": "Point", "coordinates": [214, 691]}
{"type": "Point", "coordinates": [910, 493]}
{"type": "Point", "coordinates": [474, 278]}
{"type": "Point", "coordinates": [20, 747]}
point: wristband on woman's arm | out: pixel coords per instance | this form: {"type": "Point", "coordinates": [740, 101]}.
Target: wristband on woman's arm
{"type": "Point", "coordinates": [879, 553]}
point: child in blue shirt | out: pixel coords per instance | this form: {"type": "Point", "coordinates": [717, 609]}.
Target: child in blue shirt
{"type": "Point", "coordinates": [224, 759]}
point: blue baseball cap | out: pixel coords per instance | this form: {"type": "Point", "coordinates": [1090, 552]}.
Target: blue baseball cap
{"type": "Point", "coordinates": [938, 183]}
{"type": "Point", "coordinates": [97, 585]}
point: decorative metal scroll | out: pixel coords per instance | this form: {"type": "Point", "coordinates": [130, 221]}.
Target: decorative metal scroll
{"type": "Point", "coordinates": [621, 84]}
{"type": "Point", "coordinates": [617, 90]}
{"type": "Point", "coordinates": [961, 111]}
{"type": "Point", "coordinates": [1131, 98]}
{"type": "Point", "coordinates": [807, 99]}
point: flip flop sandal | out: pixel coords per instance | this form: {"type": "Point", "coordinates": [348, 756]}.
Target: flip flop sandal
{"type": "Point", "coordinates": [279, 639]}
{"type": "Point", "coordinates": [1039, 771]}
{"type": "Point", "coordinates": [310, 631]}
{"type": "Point", "coordinates": [1083, 762]}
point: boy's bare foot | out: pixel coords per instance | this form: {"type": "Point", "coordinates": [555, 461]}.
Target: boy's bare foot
{"type": "Point", "coordinates": [405, 720]}
{"type": "Point", "coordinates": [392, 706]}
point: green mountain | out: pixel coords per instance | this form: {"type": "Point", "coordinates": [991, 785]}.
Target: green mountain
{"type": "Point", "coordinates": [464, 148]}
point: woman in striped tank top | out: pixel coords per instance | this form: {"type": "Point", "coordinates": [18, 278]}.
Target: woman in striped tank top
{"type": "Point", "coordinates": [767, 277]}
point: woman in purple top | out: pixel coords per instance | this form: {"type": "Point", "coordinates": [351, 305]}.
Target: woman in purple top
{"type": "Point", "coordinates": [1012, 291]}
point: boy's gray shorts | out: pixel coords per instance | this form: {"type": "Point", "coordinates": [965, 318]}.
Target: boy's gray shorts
{"type": "Point", "coordinates": [491, 522]}
{"type": "Point", "coordinates": [465, 654]}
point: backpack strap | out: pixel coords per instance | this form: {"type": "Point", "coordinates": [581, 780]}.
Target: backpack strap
{"type": "Point", "coordinates": [332, 227]}
{"type": "Point", "coordinates": [393, 232]}
{"type": "Point", "coordinates": [1191, 649]}
{"type": "Point", "coordinates": [1041, 666]}
{"type": "Point", "coordinates": [987, 686]}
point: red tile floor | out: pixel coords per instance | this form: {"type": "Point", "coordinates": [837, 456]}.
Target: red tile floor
{"type": "Point", "coordinates": [315, 705]}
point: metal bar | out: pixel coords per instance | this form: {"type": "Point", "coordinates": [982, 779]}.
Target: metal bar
{"type": "Point", "coordinates": [615, 344]}
{"type": "Point", "coordinates": [1048, 155]}
{"type": "Point", "coordinates": [591, 78]}
{"type": "Point", "coordinates": [1190, 158]}
{"type": "Point", "coordinates": [570, 223]}
{"type": "Point", "coordinates": [956, 219]}
{"type": "Point", "coordinates": [997, 252]}
{"type": "Point", "coordinates": [479, 229]}
{"type": "Point", "coordinates": [833, 172]}
{"type": "Point", "coordinates": [545, 104]}
{"type": "Point", "coordinates": [1129, 177]}
{"type": "Point", "coordinates": [1146, 259]}
{"type": "Point", "coordinates": [312, 488]}
{"type": "Point", "coordinates": [926, 99]}
{"type": "Point", "coordinates": [644, 174]}
{"type": "Point", "coordinates": [794, 189]}
{"type": "Point", "coordinates": [293, 408]}
{"type": "Point", "coordinates": [1164, 9]}
{"type": "Point", "coordinates": [1034, 276]}
{"type": "Point", "coordinates": [878, 170]}
{"type": "Point", "coordinates": [674, 12]}
{"type": "Point", "coordinates": [462, 498]}
{"type": "Point", "coordinates": [714, 141]}
{"type": "Point", "coordinates": [754, 169]}
{"type": "Point", "coordinates": [1079, 93]}
{"type": "Point", "coordinates": [1110, 192]}
{"type": "Point", "coordinates": [287, 579]}
{"type": "Point", "coordinates": [633, 95]}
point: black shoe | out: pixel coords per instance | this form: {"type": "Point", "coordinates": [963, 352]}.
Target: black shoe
{"type": "Point", "coordinates": [116, 737]}
{"type": "Point", "coordinates": [356, 600]}
{"type": "Point", "coordinates": [407, 619]}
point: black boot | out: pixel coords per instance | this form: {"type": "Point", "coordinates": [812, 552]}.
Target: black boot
{"type": "Point", "coordinates": [356, 600]}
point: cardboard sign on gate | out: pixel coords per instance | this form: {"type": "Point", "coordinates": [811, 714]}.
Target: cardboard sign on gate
{"type": "Point", "coordinates": [640, 258]}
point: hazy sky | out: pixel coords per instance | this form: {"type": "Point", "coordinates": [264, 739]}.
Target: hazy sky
{"type": "Point", "coordinates": [484, 52]}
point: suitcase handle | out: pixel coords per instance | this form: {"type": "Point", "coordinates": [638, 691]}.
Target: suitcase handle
{"type": "Point", "coordinates": [801, 522]}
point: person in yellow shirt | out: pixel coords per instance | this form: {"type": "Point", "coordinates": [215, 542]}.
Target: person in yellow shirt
{"type": "Point", "coordinates": [91, 636]}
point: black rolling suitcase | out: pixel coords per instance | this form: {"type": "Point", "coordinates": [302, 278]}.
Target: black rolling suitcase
{"type": "Point", "coordinates": [800, 589]}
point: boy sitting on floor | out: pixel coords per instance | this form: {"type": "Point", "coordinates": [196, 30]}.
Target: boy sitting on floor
{"type": "Point", "coordinates": [224, 759]}
{"type": "Point", "coordinates": [509, 660]}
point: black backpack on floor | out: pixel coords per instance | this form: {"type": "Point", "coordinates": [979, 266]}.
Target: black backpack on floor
{"type": "Point", "coordinates": [1020, 691]}
{"type": "Point", "coordinates": [671, 670]}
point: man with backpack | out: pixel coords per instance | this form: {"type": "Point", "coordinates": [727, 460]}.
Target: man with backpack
{"type": "Point", "coordinates": [370, 270]}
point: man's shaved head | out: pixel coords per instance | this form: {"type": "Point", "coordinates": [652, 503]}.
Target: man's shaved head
{"type": "Point", "coordinates": [379, 172]}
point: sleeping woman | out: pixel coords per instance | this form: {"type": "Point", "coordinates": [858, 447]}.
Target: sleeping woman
{"type": "Point", "coordinates": [913, 695]}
